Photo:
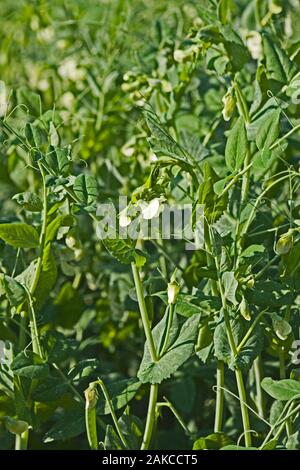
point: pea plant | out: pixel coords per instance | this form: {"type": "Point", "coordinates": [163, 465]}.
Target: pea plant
{"type": "Point", "coordinates": [113, 338]}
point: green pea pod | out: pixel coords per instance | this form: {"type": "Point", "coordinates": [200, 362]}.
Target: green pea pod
{"type": "Point", "coordinates": [91, 416]}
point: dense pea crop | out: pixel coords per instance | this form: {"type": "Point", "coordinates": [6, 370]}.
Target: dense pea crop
{"type": "Point", "coordinates": [149, 225]}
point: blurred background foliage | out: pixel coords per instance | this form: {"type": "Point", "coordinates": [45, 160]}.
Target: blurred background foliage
{"type": "Point", "coordinates": [94, 63]}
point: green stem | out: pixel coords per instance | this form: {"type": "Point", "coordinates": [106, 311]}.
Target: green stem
{"type": "Point", "coordinates": [249, 332]}
{"type": "Point", "coordinates": [168, 329]}
{"type": "Point", "coordinates": [220, 397]}
{"type": "Point", "coordinates": [21, 441]}
{"type": "Point", "coordinates": [235, 179]}
{"type": "Point", "coordinates": [282, 373]}
{"type": "Point", "coordinates": [112, 412]}
{"type": "Point", "coordinates": [151, 417]}
{"type": "Point", "coordinates": [288, 134]}
{"type": "Point", "coordinates": [246, 178]}
{"type": "Point", "coordinates": [260, 398]}
{"type": "Point", "coordinates": [36, 346]}
{"type": "Point", "coordinates": [258, 200]}
{"type": "Point", "coordinates": [169, 405]}
{"type": "Point", "coordinates": [143, 311]}
{"type": "Point", "coordinates": [243, 406]}
{"type": "Point", "coordinates": [238, 372]}
{"type": "Point", "coordinates": [42, 236]}
{"type": "Point", "coordinates": [220, 364]}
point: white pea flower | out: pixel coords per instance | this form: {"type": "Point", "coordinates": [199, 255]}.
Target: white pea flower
{"type": "Point", "coordinates": [151, 209]}
{"type": "Point", "coordinates": [67, 99]}
{"type": "Point", "coordinates": [124, 220]}
{"type": "Point", "coordinates": [46, 34]}
{"type": "Point", "coordinates": [179, 55]}
{"type": "Point", "coordinates": [254, 44]}
{"type": "Point", "coordinates": [43, 85]}
{"type": "Point", "coordinates": [153, 157]}
{"type": "Point", "coordinates": [69, 70]}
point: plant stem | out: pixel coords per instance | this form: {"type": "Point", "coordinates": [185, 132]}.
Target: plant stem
{"type": "Point", "coordinates": [168, 329]}
{"type": "Point", "coordinates": [235, 179]}
{"type": "Point", "coordinates": [220, 397]}
{"type": "Point", "coordinates": [238, 372]}
{"type": "Point", "coordinates": [260, 398]}
{"type": "Point", "coordinates": [249, 332]}
{"type": "Point", "coordinates": [151, 417]}
{"type": "Point", "coordinates": [112, 412]}
{"type": "Point", "coordinates": [21, 441]}
{"type": "Point", "coordinates": [150, 420]}
{"type": "Point", "coordinates": [143, 311]}
{"type": "Point", "coordinates": [169, 405]}
{"type": "Point", "coordinates": [42, 236]}
{"type": "Point", "coordinates": [243, 406]}
{"type": "Point", "coordinates": [220, 364]}
{"type": "Point", "coordinates": [36, 346]}
{"type": "Point", "coordinates": [282, 374]}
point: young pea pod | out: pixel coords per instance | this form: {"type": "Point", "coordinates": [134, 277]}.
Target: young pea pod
{"type": "Point", "coordinates": [91, 416]}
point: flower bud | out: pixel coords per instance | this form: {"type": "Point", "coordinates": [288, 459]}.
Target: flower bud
{"type": "Point", "coordinates": [245, 309]}
{"type": "Point", "coordinates": [173, 291]}
{"type": "Point", "coordinates": [281, 327]}
{"type": "Point", "coordinates": [229, 104]}
{"type": "Point", "coordinates": [15, 426]}
{"type": "Point", "coordinates": [285, 243]}
{"type": "Point", "coordinates": [90, 397]}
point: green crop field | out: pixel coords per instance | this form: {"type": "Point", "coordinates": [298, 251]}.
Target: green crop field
{"type": "Point", "coordinates": [149, 225]}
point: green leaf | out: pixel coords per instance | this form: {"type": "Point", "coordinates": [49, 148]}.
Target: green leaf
{"type": "Point", "coordinates": [69, 305]}
{"type": "Point", "coordinates": [50, 389]}
{"type": "Point", "coordinates": [293, 441]}
{"type": "Point", "coordinates": [132, 429]}
{"type": "Point", "coordinates": [265, 129]}
{"type": "Point", "coordinates": [284, 390]}
{"type": "Point", "coordinates": [236, 49]}
{"type": "Point", "coordinates": [58, 160]}
{"type": "Point", "coordinates": [112, 440]}
{"type": "Point", "coordinates": [70, 424]}
{"type": "Point", "coordinates": [248, 353]}
{"type": "Point", "coordinates": [35, 135]}
{"type": "Point", "coordinates": [31, 100]}
{"type": "Point", "coordinates": [279, 66]}
{"type": "Point", "coordinates": [54, 136]}
{"type": "Point", "coordinates": [121, 249]}
{"type": "Point", "coordinates": [15, 292]}
{"type": "Point", "coordinates": [57, 347]}
{"type": "Point", "coordinates": [120, 392]}
{"type": "Point", "coordinates": [30, 201]}
{"type": "Point", "coordinates": [235, 447]}
{"type": "Point", "coordinates": [230, 285]}
{"type": "Point", "coordinates": [30, 365]}
{"type": "Point", "coordinates": [212, 442]}
{"type": "Point", "coordinates": [19, 235]}
{"type": "Point", "coordinates": [86, 189]}
{"type": "Point", "coordinates": [163, 145]}
{"type": "Point", "coordinates": [161, 141]}
{"type": "Point", "coordinates": [214, 206]}
{"type": "Point", "coordinates": [290, 267]}
{"type": "Point", "coordinates": [262, 160]}
{"type": "Point", "coordinates": [223, 10]}
{"type": "Point", "coordinates": [270, 445]}
{"type": "Point", "coordinates": [181, 347]}
{"type": "Point", "coordinates": [236, 146]}
{"type": "Point", "coordinates": [64, 220]}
